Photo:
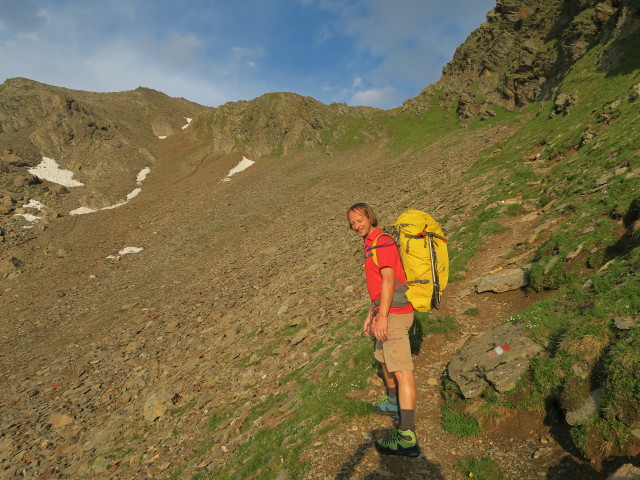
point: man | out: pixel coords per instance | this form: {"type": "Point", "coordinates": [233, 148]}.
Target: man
{"type": "Point", "coordinates": [389, 320]}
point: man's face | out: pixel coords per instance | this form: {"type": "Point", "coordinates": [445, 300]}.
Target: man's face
{"type": "Point", "coordinates": [360, 224]}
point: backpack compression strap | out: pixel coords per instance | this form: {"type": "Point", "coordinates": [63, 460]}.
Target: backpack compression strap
{"type": "Point", "coordinates": [425, 235]}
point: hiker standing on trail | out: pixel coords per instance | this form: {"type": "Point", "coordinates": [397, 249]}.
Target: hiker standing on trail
{"type": "Point", "coordinates": [389, 320]}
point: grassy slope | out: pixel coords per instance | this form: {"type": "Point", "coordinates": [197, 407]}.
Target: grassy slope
{"type": "Point", "coordinates": [583, 348]}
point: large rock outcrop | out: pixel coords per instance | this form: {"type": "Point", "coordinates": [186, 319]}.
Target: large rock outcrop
{"type": "Point", "coordinates": [523, 51]}
{"type": "Point", "coordinates": [497, 359]}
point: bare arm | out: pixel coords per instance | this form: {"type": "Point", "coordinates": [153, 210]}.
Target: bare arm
{"type": "Point", "coordinates": [381, 321]}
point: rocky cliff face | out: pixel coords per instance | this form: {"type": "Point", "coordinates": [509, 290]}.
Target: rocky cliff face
{"type": "Point", "coordinates": [525, 48]}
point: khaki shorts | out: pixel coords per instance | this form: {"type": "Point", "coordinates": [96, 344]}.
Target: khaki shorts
{"type": "Point", "coordinates": [395, 351]}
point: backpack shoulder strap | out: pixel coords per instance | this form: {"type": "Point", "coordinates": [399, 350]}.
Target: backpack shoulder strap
{"type": "Point", "coordinates": [371, 251]}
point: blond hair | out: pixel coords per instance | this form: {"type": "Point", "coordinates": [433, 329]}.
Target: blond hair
{"type": "Point", "coordinates": [365, 210]}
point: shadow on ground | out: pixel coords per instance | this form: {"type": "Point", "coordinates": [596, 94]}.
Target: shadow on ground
{"type": "Point", "coordinates": [390, 466]}
{"type": "Point", "coordinates": [574, 465]}
{"type": "Point", "coordinates": [571, 469]}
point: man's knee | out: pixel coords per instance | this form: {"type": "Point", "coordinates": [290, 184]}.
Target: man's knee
{"type": "Point", "coordinates": [404, 375]}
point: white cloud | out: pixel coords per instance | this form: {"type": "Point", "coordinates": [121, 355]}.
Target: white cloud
{"type": "Point", "coordinates": [386, 97]}
{"type": "Point", "coordinates": [45, 15]}
{"type": "Point", "coordinates": [410, 40]}
{"type": "Point", "coordinates": [181, 47]}
{"type": "Point", "coordinates": [244, 52]}
{"type": "Point", "coordinates": [92, 47]}
{"type": "Point", "coordinates": [31, 37]}
{"type": "Point", "coordinates": [324, 33]}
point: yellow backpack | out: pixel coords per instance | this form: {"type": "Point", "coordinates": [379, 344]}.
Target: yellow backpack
{"type": "Point", "coordinates": [425, 258]}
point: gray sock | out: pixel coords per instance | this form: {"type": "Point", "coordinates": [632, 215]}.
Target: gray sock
{"type": "Point", "coordinates": [392, 393]}
{"type": "Point", "coordinates": [407, 421]}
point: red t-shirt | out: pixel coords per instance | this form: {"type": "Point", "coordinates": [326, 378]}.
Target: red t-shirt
{"type": "Point", "coordinates": [388, 256]}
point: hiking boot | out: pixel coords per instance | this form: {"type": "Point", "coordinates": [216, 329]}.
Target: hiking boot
{"type": "Point", "coordinates": [399, 442]}
{"type": "Point", "coordinates": [387, 407]}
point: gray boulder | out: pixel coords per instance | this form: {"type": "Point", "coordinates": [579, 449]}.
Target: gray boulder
{"type": "Point", "coordinates": [503, 281]}
{"type": "Point", "coordinates": [587, 410]}
{"type": "Point", "coordinates": [478, 364]}
{"type": "Point", "coordinates": [625, 323]}
{"type": "Point", "coordinates": [626, 472]}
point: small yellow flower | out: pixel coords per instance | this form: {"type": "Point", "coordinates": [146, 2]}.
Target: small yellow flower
{"type": "Point", "coordinates": [471, 474]}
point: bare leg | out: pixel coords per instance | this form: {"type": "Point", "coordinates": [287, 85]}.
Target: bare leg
{"type": "Point", "coordinates": [406, 389]}
{"type": "Point", "coordinates": [389, 378]}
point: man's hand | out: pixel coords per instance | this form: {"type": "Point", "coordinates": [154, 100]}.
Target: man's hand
{"type": "Point", "coordinates": [380, 327]}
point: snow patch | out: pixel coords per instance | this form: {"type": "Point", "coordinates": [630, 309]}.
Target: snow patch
{"type": "Point", "coordinates": [134, 193]}
{"type": "Point", "coordinates": [34, 204]}
{"type": "Point", "coordinates": [243, 165]}
{"type": "Point", "coordinates": [28, 217]}
{"type": "Point", "coordinates": [126, 251]}
{"type": "Point", "coordinates": [51, 171]}
{"type": "Point", "coordinates": [188, 122]}
{"type": "Point", "coordinates": [142, 175]}
{"type": "Point", "coordinates": [82, 211]}
{"type": "Point", "coordinates": [162, 137]}
{"type": "Point", "coordinates": [111, 207]}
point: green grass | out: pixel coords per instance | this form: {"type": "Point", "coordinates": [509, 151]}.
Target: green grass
{"type": "Point", "coordinates": [410, 132]}
{"type": "Point", "coordinates": [177, 412]}
{"type": "Point", "coordinates": [215, 420]}
{"type": "Point", "coordinates": [355, 408]}
{"type": "Point", "coordinates": [578, 328]}
{"type": "Point", "coordinates": [457, 423]}
{"type": "Point", "coordinates": [426, 324]}
{"type": "Point", "coordinates": [480, 469]}
{"type": "Point", "coordinates": [514, 209]}
{"type": "Point", "coordinates": [349, 132]}
{"type": "Point", "coordinates": [319, 388]}
{"type": "Point", "coordinates": [319, 344]}
{"type": "Point", "coordinates": [432, 323]}
{"type": "Point", "coordinates": [453, 416]}
{"type": "Point", "coordinates": [465, 242]}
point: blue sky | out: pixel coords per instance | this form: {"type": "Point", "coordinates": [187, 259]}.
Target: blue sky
{"type": "Point", "coordinates": [363, 52]}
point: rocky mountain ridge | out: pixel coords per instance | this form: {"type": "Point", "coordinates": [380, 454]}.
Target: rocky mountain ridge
{"type": "Point", "coordinates": [284, 123]}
